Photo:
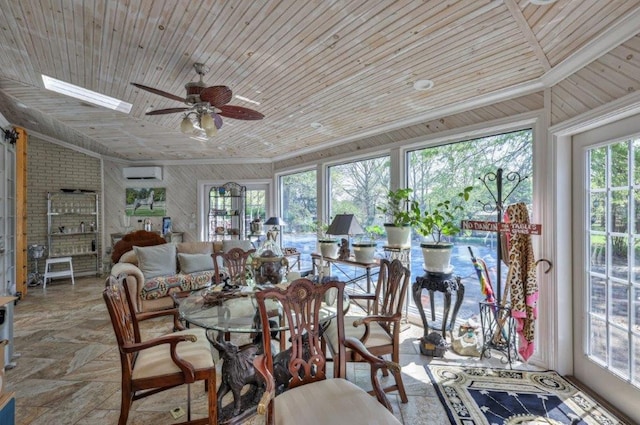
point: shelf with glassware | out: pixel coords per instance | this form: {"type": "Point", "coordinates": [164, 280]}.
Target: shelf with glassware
{"type": "Point", "coordinates": [72, 229]}
{"type": "Point", "coordinates": [226, 211]}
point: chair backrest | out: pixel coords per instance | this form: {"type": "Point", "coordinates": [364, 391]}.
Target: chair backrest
{"type": "Point", "coordinates": [304, 361]}
{"type": "Point", "coordinates": [123, 319]}
{"type": "Point", "coordinates": [391, 290]}
{"type": "Point", "coordinates": [235, 261]}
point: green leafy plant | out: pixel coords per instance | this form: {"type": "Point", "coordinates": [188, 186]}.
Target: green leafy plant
{"type": "Point", "coordinates": [374, 231]}
{"type": "Point", "coordinates": [441, 220]}
{"type": "Point", "coordinates": [399, 210]}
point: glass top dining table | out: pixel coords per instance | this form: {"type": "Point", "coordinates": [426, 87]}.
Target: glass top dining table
{"type": "Point", "coordinates": [239, 313]}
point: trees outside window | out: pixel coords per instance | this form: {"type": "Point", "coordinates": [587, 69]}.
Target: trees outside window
{"type": "Point", "coordinates": [438, 173]}
{"type": "Point", "coordinates": [358, 188]}
{"type": "Point", "coordinates": [299, 209]}
{"type": "Point", "coordinates": [434, 174]}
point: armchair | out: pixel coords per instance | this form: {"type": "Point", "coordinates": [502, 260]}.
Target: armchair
{"type": "Point", "coordinates": [308, 396]}
{"type": "Point", "coordinates": [379, 332]}
{"type": "Point", "coordinates": [151, 366]}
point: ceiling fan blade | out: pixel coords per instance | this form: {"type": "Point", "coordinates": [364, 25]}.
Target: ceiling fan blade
{"type": "Point", "coordinates": [216, 95]}
{"type": "Point", "coordinates": [160, 92]}
{"type": "Point", "coordinates": [239, 113]}
{"type": "Point", "coordinates": [167, 111]}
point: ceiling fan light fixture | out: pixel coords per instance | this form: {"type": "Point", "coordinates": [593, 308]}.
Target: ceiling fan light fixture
{"type": "Point", "coordinates": [207, 122]}
{"type": "Point", "coordinates": [186, 125]}
{"type": "Point", "coordinates": [211, 132]}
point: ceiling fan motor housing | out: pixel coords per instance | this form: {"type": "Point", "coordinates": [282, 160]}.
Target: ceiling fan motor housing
{"type": "Point", "coordinates": [193, 91]}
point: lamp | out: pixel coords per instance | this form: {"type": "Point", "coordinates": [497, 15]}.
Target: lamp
{"type": "Point", "coordinates": [186, 125]}
{"type": "Point", "coordinates": [344, 224]}
{"type": "Point", "coordinates": [276, 222]}
{"type": "Point", "coordinates": [9, 135]}
{"type": "Point", "coordinates": [202, 118]}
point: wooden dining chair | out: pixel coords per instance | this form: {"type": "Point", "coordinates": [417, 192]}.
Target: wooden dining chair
{"type": "Point", "coordinates": [236, 263]}
{"type": "Point", "coordinates": [380, 330]}
{"type": "Point", "coordinates": [151, 366]}
{"type": "Point", "coordinates": [297, 387]}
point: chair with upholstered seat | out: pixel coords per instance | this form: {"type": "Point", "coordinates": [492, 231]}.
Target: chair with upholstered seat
{"type": "Point", "coordinates": [307, 395]}
{"type": "Point", "coordinates": [236, 263]}
{"type": "Point", "coordinates": [380, 330]}
{"type": "Point", "coordinates": [151, 366]}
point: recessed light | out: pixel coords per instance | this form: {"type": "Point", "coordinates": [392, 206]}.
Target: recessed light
{"type": "Point", "coordinates": [542, 2]}
{"type": "Point", "coordinates": [87, 95]}
{"type": "Point", "coordinates": [422, 85]}
{"type": "Point", "coordinates": [316, 125]}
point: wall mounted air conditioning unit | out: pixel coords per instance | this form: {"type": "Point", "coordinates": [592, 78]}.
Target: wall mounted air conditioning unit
{"type": "Point", "coordinates": [142, 173]}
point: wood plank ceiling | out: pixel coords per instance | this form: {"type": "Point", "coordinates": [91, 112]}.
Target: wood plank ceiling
{"type": "Point", "coordinates": [321, 72]}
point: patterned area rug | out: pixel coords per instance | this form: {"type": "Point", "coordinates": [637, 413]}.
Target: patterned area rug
{"type": "Point", "coordinates": [475, 396]}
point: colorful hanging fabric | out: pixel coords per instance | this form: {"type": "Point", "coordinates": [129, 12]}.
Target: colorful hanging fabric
{"type": "Point", "coordinates": [522, 281]}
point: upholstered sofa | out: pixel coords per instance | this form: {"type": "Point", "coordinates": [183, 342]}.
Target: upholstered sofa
{"type": "Point", "coordinates": [155, 272]}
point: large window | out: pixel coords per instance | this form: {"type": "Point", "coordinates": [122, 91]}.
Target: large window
{"type": "Point", "coordinates": [438, 173]}
{"type": "Point", "coordinates": [613, 275]}
{"type": "Point", "coordinates": [358, 188]}
{"type": "Point", "coordinates": [256, 205]}
{"type": "Point", "coordinates": [299, 206]}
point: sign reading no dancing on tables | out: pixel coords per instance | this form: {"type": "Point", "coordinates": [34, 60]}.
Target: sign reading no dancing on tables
{"type": "Point", "coordinates": [513, 228]}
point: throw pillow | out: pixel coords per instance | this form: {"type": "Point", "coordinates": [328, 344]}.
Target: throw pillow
{"type": "Point", "coordinates": [137, 238]}
{"type": "Point", "coordinates": [192, 263]}
{"type": "Point", "coordinates": [159, 260]}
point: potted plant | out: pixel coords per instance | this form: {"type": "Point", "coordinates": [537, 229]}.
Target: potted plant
{"type": "Point", "coordinates": [437, 223]}
{"type": "Point", "coordinates": [327, 245]}
{"type": "Point", "coordinates": [365, 248]}
{"type": "Point", "coordinates": [400, 214]}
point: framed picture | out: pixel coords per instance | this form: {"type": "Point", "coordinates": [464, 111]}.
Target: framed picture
{"type": "Point", "coordinates": [146, 202]}
{"type": "Point", "coordinates": [166, 225]}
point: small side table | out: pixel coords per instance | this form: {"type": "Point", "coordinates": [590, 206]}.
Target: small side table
{"type": "Point", "coordinates": [294, 254]}
{"type": "Point", "coordinates": [440, 282]}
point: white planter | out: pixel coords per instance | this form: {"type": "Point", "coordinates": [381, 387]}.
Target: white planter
{"type": "Point", "coordinates": [399, 237]}
{"type": "Point", "coordinates": [364, 251]}
{"type": "Point", "coordinates": [329, 248]}
{"type": "Point", "coordinates": [437, 257]}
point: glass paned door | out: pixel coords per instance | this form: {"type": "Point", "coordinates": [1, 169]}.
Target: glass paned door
{"type": "Point", "coordinates": [607, 267]}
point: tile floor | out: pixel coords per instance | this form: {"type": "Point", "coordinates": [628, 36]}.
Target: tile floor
{"type": "Point", "coordinates": [68, 370]}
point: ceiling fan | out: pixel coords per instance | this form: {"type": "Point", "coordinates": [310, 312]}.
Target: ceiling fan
{"type": "Point", "coordinates": [205, 105]}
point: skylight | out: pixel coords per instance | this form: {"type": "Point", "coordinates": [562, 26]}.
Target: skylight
{"type": "Point", "coordinates": [86, 95]}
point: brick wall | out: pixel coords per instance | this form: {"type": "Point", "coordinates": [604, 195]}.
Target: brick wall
{"type": "Point", "coordinates": [51, 167]}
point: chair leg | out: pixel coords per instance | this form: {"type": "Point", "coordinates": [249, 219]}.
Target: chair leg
{"type": "Point", "coordinates": [212, 399]}
{"type": "Point", "coordinates": [125, 406]}
{"type": "Point", "coordinates": [400, 385]}
{"type": "Point", "coordinates": [189, 402]}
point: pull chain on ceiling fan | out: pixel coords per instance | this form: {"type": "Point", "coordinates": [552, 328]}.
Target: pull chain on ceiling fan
{"type": "Point", "coordinates": [205, 105]}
